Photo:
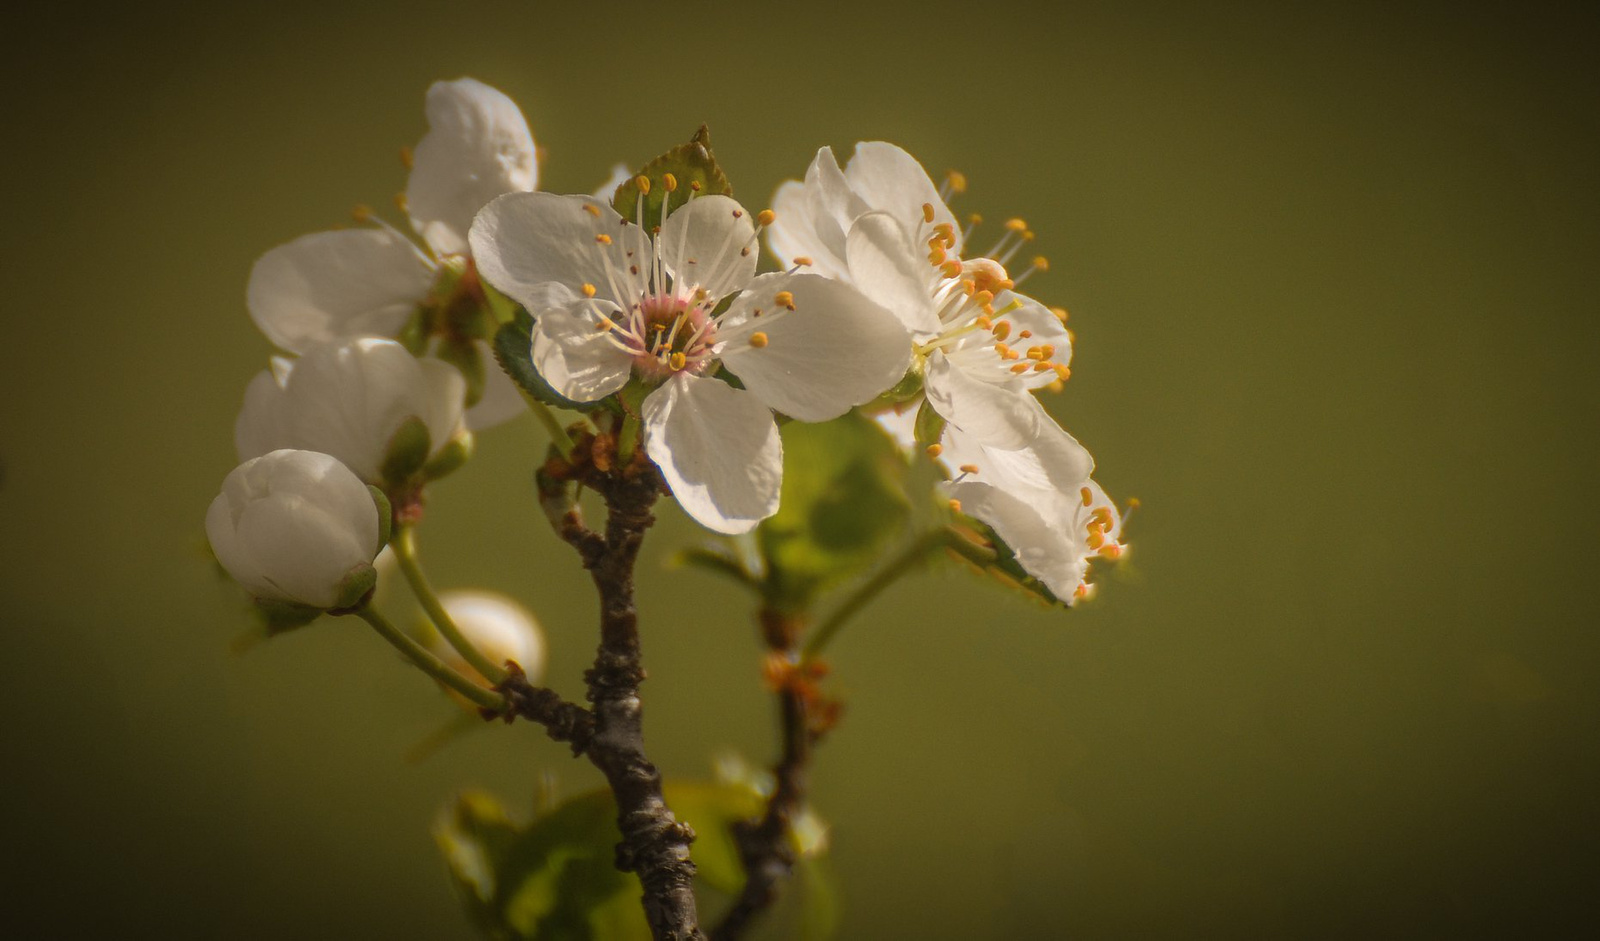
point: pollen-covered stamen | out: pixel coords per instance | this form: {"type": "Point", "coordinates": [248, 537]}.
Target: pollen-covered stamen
{"type": "Point", "coordinates": [1040, 264]}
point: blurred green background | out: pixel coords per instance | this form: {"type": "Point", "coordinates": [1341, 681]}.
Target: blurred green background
{"type": "Point", "coordinates": [1332, 272]}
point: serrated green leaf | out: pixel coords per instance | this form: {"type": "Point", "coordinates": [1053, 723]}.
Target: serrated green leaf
{"type": "Point", "coordinates": [843, 499]}
{"type": "Point", "coordinates": [513, 350]}
{"type": "Point", "coordinates": [691, 164]}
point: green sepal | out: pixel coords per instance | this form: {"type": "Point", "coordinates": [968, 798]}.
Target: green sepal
{"type": "Point", "coordinates": [455, 453]}
{"type": "Point", "coordinates": [356, 586]}
{"type": "Point", "coordinates": [501, 308]}
{"type": "Point", "coordinates": [280, 617]}
{"type": "Point", "coordinates": [929, 424]}
{"type": "Point", "coordinates": [464, 356]}
{"type": "Point", "coordinates": [908, 388]}
{"type": "Point", "coordinates": [414, 335]}
{"type": "Point", "coordinates": [691, 164]}
{"type": "Point", "coordinates": [385, 516]}
{"type": "Point", "coordinates": [407, 452]}
{"type": "Point", "coordinates": [513, 350]}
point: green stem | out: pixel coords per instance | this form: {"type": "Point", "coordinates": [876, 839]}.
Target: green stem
{"type": "Point", "coordinates": [911, 556]}
{"type": "Point", "coordinates": [627, 440]}
{"type": "Point", "coordinates": [430, 664]}
{"type": "Point", "coordinates": [559, 439]}
{"type": "Point", "coordinates": [405, 552]}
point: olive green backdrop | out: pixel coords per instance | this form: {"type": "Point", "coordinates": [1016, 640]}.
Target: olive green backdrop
{"type": "Point", "coordinates": [1333, 279]}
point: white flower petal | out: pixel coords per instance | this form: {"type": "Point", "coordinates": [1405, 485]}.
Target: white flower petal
{"type": "Point", "coordinates": [793, 233]}
{"type": "Point", "coordinates": [620, 174]}
{"type": "Point", "coordinates": [1043, 548]}
{"type": "Point", "coordinates": [835, 350]}
{"type": "Point", "coordinates": [498, 626]}
{"type": "Point", "coordinates": [477, 147]}
{"type": "Point", "coordinates": [834, 207]}
{"type": "Point", "coordinates": [888, 268]}
{"type": "Point", "coordinates": [994, 415]}
{"type": "Point", "coordinates": [576, 359]}
{"type": "Point", "coordinates": [443, 395]}
{"type": "Point", "coordinates": [718, 449]}
{"type": "Point", "coordinates": [335, 285]}
{"type": "Point", "coordinates": [1053, 462]}
{"type": "Point", "coordinates": [299, 548]}
{"type": "Point", "coordinates": [887, 178]}
{"type": "Point", "coordinates": [709, 243]}
{"type": "Point", "coordinates": [260, 426]}
{"type": "Point", "coordinates": [523, 243]}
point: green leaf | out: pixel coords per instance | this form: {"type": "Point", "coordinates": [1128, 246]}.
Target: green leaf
{"type": "Point", "coordinates": [557, 877]}
{"type": "Point", "coordinates": [843, 499]}
{"type": "Point", "coordinates": [513, 350]}
{"type": "Point", "coordinates": [691, 164]}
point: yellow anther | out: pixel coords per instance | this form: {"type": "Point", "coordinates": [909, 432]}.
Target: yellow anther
{"type": "Point", "coordinates": [985, 323]}
{"type": "Point", "coordinates": [1056, 385]}
{"type": "Point", "coordinates": [407, 157]}
{"type": "Point", "coordinates": [1133, 503]}
{"type": "Point", "coordinates": [758, 339]}
{"type": "Point", "coordinates": [766, 217]}
{"type": "Point", "coordinates": [1095, 539]}
{"type": "Point", "coordinates": [1043, 367]}
{"type": "Point", "coordinates": [1060, 312]}
{"type": "Point", "coordinates": [668, 183]}
{"type": "Point", "coordinates": [784, 299]}
{"type": "Point", "coordinates": [677, 361]}
{"type": "Point", "coordinates": [1036, 352]}
{"type": "Point", "coordinates": [1087, 495]}
{"type": "Point", "coordinates": [1021, 367]}
{"type": "Point", "coordinates": [605, 325]}
{"type": "Point", "coordinates": [1025, 334]}
{"type": "Point", "coordinates": [1049, 350]}
{"type": "Point", "coordinates": [1081, 592]}
{"type": "Point", "coordinates": [643, 183]}
{"type": "Point", "coordinates": [969, 287]}
{"type": "Point", "coordinates": [1027, 236]}
{"type": "Point", "coordinates": [361, 213]}
{"type": "Point", "coordinates": [958, 181]}
{"type": "Point", "coordinates": [937, 257]}
{"type": "Point", "coordinates": [1002, 349]}
{"type": "Point", "coordinates": [1102, 515]}
{"type": "Point", "coordinates": [983, 298]}
{"type": "Point", "coordinates": [955, 505]}
{"type": "Point", "coordinates": [694, 185]}
{"type": "Point", "coordinates": [592, 209]}
{"type": "Point", "coordinates": [1063, 373]}
{"type": "Point", "coordinates": [946, 233]}
{"type": "Point", "coordinates": [603, 239]}
{"type": "Point", "coordinates": [803, 260]}
{"type": "Point", "coordinates": [1016, 225]}
{"type": "Point", "coordinates": [402, 204]}
{"type": "Point", "coordinates": [927, 212]}
{"type": "Point", "coordinates": [1041, 262]}
{"type": "Point", "coordinates": [969, 468]}
{"type": "Point", "coordinates": [935, 449]}
{"type": "Point", "coordinates": [1012, 354]}
{"type": "Point", "coordinates": [1111, 550]}
{"type": "Point", "coordinates": [1002, 329]}
{"type": "Point", "coordinates": [950, 268]}
{"type": "Point", "coordinates": [700, 294]}
{"type": "Point", "coordinates": [588, 290]}
{"type": "Point", "coordinates": [975, 219]}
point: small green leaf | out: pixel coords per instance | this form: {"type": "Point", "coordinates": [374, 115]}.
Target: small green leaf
{"type": "Point", "coordinates": [928, 425]}
{"type": "Point", "coordinates": [843, 498]}
{"type": "Point", "coordinates": [692, 165]}
{"type": "Point", "coordinates": [513, 350]}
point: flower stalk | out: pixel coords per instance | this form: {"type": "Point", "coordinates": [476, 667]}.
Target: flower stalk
{"type": "Point", "coordinates": [491, 702]}
{"type": "Point", "coordinates": [405, 553]}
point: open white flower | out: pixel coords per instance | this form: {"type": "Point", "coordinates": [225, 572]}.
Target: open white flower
{"type": "Point", "coordinates": [614, 304]}
{"type": "Point", "coordinates": [500, 628]}
{"type": "Point", "coordinates": [349, 400]}
{"type": "Point", "coordinates": [331, 286]}
{"type": "Point", "coordinates": [882, 225]}
{"type": "Point", "coordinates": [295, 526]}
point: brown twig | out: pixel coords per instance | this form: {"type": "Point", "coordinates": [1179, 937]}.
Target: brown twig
{"type": "Point", "coordinates": [655, 844]}
{"type": "Point", "coordinates": [766, 848]}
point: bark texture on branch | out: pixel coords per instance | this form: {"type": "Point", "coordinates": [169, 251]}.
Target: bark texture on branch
{"type": "Point", "coordinates": [655, 844]}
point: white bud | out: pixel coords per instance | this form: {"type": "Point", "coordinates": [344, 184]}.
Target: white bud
{"type": "Point", "coordinates": [295, 526]}
{"type": "Point", "coordinates": [499, 627]}
{"type": "Point", "coordinates": [349, 400]}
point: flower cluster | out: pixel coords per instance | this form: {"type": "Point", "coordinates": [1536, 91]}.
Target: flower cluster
{"type": "Point", "coordinates": [646, 310]}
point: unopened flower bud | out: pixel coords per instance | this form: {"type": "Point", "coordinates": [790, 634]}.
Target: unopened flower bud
{"type": "Point", "coordinates": [298, 527]}
{"type": "Point", "coordinates": [353, 401]}
{"type": "Point", "coordinates": [499, 627]}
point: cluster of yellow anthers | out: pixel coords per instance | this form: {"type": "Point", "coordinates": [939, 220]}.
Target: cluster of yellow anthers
{"type": "Point", "coordinates": [668, 328]}
{"type": "Point", "coordinates": [1099, 527]}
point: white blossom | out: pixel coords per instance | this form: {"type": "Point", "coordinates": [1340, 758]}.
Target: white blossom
{"type": "Point", "coordinates": [500, 628]}
{"type": "Point", "coordinates": [614, 304]}
{"type": "Point", "coordinates": [331, 286]}
{"type": "Point", "coordinates": [294, 526]}
{"type": "Point", "coordinates": [348, 400]}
